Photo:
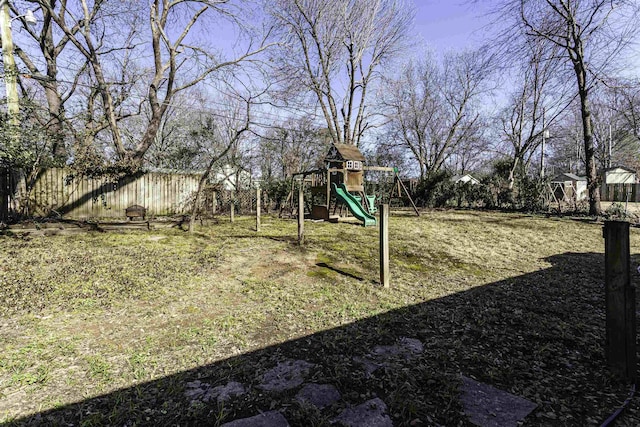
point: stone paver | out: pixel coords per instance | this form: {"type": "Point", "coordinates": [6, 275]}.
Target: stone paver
{"type": "Point", "coordinates": [266, 419]}
{"type": "Point", "coordinates": [319, 395]}
{"type": "Point", "coordinates": [285, 376]}
{"type": "Point", "coordinates": [487, 406]}
{"type": "Point", "coordinates": [197, 390]}
{"type": "Point", "coordinates": [372, 413]}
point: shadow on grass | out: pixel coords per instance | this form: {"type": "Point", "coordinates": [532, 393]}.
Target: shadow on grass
{"type": "Point", "coordinates": [341, 272]}
{"type": "Point", "coordinates": [538, 335]}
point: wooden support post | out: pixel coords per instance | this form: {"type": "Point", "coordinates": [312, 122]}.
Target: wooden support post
{"type": "Point", "coordinates": [232, 206]}
{"type": "Point", "coordinates": [301, 214]}
{"type": "Point", "coordinates": [620, 302]}
{"type": "Point", "coordinates": [400, 183]}
{"type": "Point", "coordinates": [258, 209]}
{"type": "Point", "coordinates": [384, 245]}
{"type": "Point", "coordinates": [328, 192]}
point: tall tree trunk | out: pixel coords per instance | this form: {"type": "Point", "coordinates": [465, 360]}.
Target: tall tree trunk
{"type": "Point", "coordinates": [587, 129]}
{"type": "Point", "coordinates": [56, 118]}
{"type": "Point", "coordinates": [592, 173]}
{"type": "Point", "coordinates": [52, 93]}
{"type": "Point", "coordinates": [135, 158]}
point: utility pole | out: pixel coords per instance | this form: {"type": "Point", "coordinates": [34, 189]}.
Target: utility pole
{"type": "Point", "coordinates": [544, 131]}
{"type": "Point", "coordinates": [10, 70]}
{"type": "Point", "coordinates": [610, 142]}
{"type": "Point", "coordinates": [577, 152]}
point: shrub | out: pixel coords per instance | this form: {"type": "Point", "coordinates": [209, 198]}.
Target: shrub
{"type": "Point", "coordinates": [436, 190]}
{"type": "Point", "coordinates": [277, 191]}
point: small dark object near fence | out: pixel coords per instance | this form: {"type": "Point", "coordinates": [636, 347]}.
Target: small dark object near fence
{"type": "Point", "coordinates": [136, 211]}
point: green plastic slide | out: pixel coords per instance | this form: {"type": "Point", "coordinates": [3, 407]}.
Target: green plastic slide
{"type": "Point", "coordinates": [354, 206]}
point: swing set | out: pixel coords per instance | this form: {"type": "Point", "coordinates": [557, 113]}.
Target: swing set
{"type": "Point", "coordinates": [341, 184]}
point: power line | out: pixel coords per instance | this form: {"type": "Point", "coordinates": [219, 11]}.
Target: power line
{"type": "Point", "coordinates": [262, 116]}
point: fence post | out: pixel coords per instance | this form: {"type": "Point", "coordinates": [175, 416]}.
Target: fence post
{"type": "Point", "coordinates": [620, 301]}
{"type": "Point", "coordinates": [258, 209]}
{"type": "Point", "coordinates": [301, 214]}
{"type": "Point", "coordinates": [384, 246]}
{"type": "Point", "coordinates": [232, 206]}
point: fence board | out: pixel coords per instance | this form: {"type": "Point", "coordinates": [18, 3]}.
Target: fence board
{"type": "Point", "coordinates": [160, 193]}
{"type": "Point", "coordinates": [619, 192]}
{"type": "Point", "coordinates": [152, 196]}
{"type": "Point", "coordinates": [83, 198]}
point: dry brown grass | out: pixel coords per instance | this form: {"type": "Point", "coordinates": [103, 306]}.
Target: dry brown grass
{"type": "Point", "coordinates": [87, 315]}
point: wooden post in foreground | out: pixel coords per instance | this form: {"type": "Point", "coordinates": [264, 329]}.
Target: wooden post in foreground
{"type": "Point", "coordinates": [258, 209]}
{"type": "Point", "coordinates": [232, 208]}
{"type": "Point", "coordinates": [384, 245]}
{"type": "Point", "coordinates": [300, 214]}
{"type": "Point", "coordinates": [620, 302]}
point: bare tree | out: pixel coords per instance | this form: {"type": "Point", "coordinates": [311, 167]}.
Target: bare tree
{"type": "Point", "coordinates": [333, 51]}
{"type": "Point", "coordinates": [178, 61]}
{"type": "Point", "coordinates": [432, 109]}
{"type": "Point", "coordinates": [528, 114]}
{"type": "Point", "coordinates": [292, 146]}
{"type": "Point", "coordinates": [628, 105]}
{"type": "Point", "coordinates": [590, 35]}
{"type": "Point", "coordinates": [615, 107]}
{"type": "Point", "coordinates": [224, 133]}
{"type": "Point", "coordinates": [615, 142]}
{"type": "Point", "coordinates": [43, 67]}
{"type": "Point", "coordinates": [179, 143]}
{"type": "Point", "coordinates": [471, 153]}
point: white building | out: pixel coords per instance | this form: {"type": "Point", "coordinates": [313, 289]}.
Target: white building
{"type": "Point", "coordinates": [231, 178]}
{"type": "Point", "coordinates": [566, 185]}
{"type": "Point", "coordinates": [463, 179]}
{"type": "Point", "coordinates": [620, 175]}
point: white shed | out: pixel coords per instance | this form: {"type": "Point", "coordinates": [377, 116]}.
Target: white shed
{"type": "Point", "coordinates": [566, 185]}
{"type": "Point", "coordinates": [231, 178]}
{"type": "Point", "coordinates": [463, 179]}
{"type": "Point", "coordinates": [620, 175]}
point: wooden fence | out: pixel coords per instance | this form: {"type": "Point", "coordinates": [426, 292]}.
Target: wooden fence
{"type": "Point", "coordinates": [55, 192]}
{"type": "Point", "coordinates": [620, 192]}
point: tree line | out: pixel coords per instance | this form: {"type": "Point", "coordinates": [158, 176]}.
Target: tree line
{"type": "Point", "coordinates": [109, 87]}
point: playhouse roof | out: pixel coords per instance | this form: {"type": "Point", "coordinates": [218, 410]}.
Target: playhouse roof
{"type": "Point", "coordinates": [568, 177]}
{"type": "Point", "coordinates": [344, 152]}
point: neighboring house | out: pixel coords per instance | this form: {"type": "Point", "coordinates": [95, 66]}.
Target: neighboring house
{"type": "Point", "coordinates": [566, 185]}
{"type": "Point", "coordinates": [464, 179]}
{"type": "Point", "coordinates": [619, 175]}
{"type": "Point", "coordinates": [231, 178]}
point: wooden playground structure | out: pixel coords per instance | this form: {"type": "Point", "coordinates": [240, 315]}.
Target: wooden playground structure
{"type": "Point", "coordinates": [341, 184]}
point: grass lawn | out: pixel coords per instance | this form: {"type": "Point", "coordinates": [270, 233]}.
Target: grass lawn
{"type": "Point", "coordinates": [108, 328]}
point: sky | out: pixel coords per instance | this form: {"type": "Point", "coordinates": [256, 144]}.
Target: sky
{"type": "Point", "coordinates": [441, 25]}
{"type": "Point", "coordinates": [449, 25]}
